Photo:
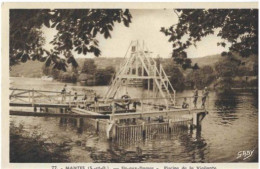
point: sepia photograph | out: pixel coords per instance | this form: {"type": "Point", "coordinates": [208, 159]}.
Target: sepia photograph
{"type": "Point", "coordinates": [132, 85]}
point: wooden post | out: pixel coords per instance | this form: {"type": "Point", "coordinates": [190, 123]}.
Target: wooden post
{"type": "Point", "coordinates": [29, 96]}
{"type": "Point", "coordinates": [154, 69]}
{"type": "Point", "coordinates": [194, 119]}
{"type": "Point", "coordinates": [136, 66]}
{"type": "Point", "coordinates": [95, 105]}
{"type": "Point", "coordinates": [78, 122]}
{"type": "Point", "coordinates": [190, 103]}
{"type": "Point", "coordinates": [69, 101]}
{"type": "Point", "coordinates": [153, 88]}
{"type": "Point", "coordinates": [142, 106]}
{"type": "Point", "coordinates": [113, 111]}
{"type": "Point", "coordinates": [207, 106]}
{"type": "Point", "coordinates": [160, 69]}
{"type": "Point", "coordinates": [97, 125]}
{"type": "Point", "coordinates": [148, 87]}
{"type": "Point", "coordinates": [33, 97]}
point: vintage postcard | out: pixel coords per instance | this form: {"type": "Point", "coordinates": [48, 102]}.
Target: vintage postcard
{"type": "Point", "coordinates": [130, 85]}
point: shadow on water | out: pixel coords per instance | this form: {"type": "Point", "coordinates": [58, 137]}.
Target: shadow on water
{"type": "Point", "coordinates": [226, 104]}
{"type": "Point", "coordinates": [77, 123]}
{"type": "Point", "coordinates": [196, 145]}
{"type": "Point", "coordinates": [254, 98]}
{"type": "Point", "coordinates": [226, 101]}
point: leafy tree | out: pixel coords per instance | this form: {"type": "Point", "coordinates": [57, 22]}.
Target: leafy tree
{"type": "Point", "coordinates": [201, 77]}
{"type": "Point", "coordinates": [226, 68]}
{"type": "Point", "coordinates": [76, 30]}
{"type": "Point", "coordinates": [225, 71]}
{"type": "Point", "coordinates": [89, 67]}
{"type": "Point", "coordinates": [237, 26]}
{"type": "Point", "coordinates": [103, 76]}
{"type": "Point", "coordinates": [244, 71]}
{"type": "Point", "coordinates": [176, 76]}
{"type": "Point", "coordinates": [255, 69]}
{"type": "Point", "coordinates": [68, 77]}
{"type": "Point", "coordinates": [196, 66]}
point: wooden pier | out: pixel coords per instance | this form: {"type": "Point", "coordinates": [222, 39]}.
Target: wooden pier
{"type": "Point", "coordinates": [112, 117]}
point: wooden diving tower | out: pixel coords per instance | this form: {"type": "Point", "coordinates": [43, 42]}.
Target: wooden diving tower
{"type": "Point", "coordinates": [140, 69]}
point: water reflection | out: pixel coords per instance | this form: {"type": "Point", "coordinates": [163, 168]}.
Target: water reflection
{"type": "Point", "coordinates": [187, 145]}
{"type": "Point", "coordinates": [226, 101]}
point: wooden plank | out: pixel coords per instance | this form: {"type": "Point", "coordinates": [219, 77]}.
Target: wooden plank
{"type": "Point", "coordinates": [39, 105]}
{"type": "Point", "coordinates": [156, 113]}
{"type": "Point", "coordinates": [38, 114]}
{"type": "Point", "coordinates": [29, 90]}
{"type": "Point", "coordinates": [138, 77]}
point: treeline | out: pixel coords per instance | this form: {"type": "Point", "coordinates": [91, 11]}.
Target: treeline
{"type": "Point", "coordinates": [225, 74]}
{"type": "Point", "coordinates": [88, 74]}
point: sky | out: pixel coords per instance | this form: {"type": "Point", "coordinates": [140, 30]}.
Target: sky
{"type": "Point", "coordinates": [145, 26]}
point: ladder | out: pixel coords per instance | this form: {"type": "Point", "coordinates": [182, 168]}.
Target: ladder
{"type": "Point", "coordinates": [140, 59]}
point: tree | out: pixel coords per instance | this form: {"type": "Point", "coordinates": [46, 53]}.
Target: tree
{"type": "Point", "coordinates": [201, 77]}
{"type": "Point", "coordinates": [103, 76]}
{"type": "Point", "coordinates": [89, 67]}
{"type": "Point", "coordinates": [176, 77]}
{"type": "Point", "coordinates": [225, 71]}
{"type": "Point", "coordinates": [196, 66]}
{"type": "Point", "coordinates": [76, 30]}
{"type": "Point", "coordinates": [239, 27]}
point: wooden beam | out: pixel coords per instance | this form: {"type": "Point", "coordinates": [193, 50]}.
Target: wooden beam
{"type": "Point", "coordinates": [157, 113]}
{"type": "Point", "coordinates": [137, 77]}
{"type": "Point", "coordinates": [38, 114]}
{"type": "Point", "coordinates": [38, 105]}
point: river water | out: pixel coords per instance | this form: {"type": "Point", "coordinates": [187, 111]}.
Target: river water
{"type": "Point", "coordinates": [230, 127]}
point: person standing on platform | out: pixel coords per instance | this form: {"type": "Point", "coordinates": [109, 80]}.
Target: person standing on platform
{"type": "Point", "coordinates": [205, 94]}
{"type": "Point", "coordinates": [195, 95]}
{"type": "Point", "coordinates": [95, 101]}
{"type": "Point", "coordinates": [63, 93]}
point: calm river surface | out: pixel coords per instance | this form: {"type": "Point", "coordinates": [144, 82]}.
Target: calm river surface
{"type": "Point", "coordinates": [230, 127]}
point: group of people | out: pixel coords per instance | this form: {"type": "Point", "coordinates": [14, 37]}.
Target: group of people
{"type": "Point", "coordinates": [75, 97]}
{"type": "Point", "coordinates": [185, 104]}
{"type": "Point", "coordinates": [205, 94]}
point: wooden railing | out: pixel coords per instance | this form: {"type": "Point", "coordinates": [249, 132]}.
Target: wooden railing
{"type": "Point", "coordinates": [133, 133]}
{"type": "Point", "coordinates": [41, 96]}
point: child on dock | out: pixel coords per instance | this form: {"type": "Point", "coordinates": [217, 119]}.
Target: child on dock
{"type": "Point", "coordinates": [185, 105]}
{"type": "Point", "coordinates": [75, 97]}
